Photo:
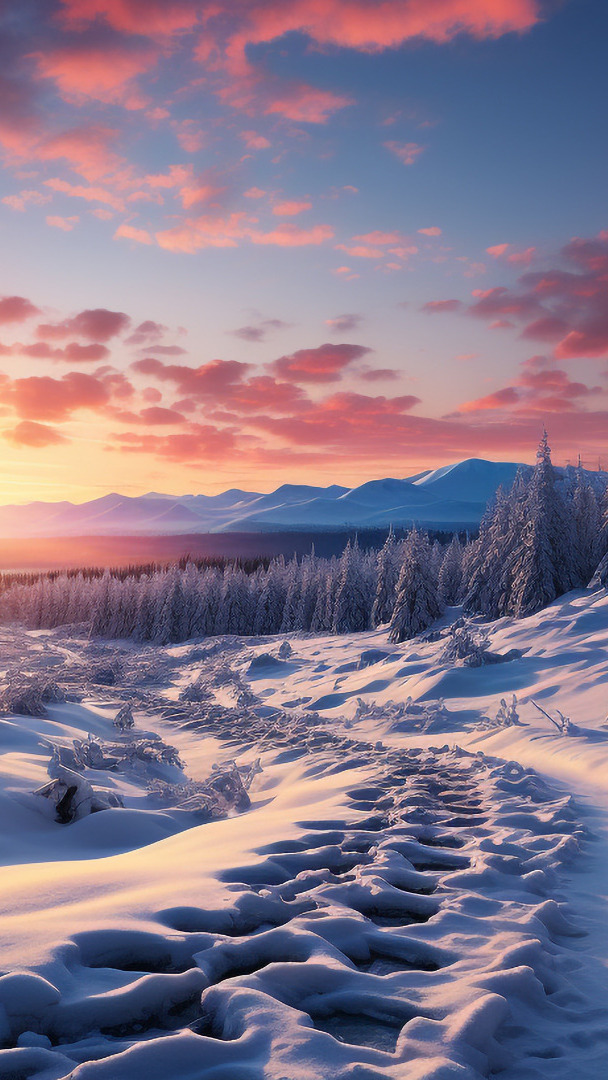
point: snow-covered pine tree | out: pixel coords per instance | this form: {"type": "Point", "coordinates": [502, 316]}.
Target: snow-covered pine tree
{"type": "Point", "coordinates": [450, 573]}
{"type": "Point", "coordinates": [270, 602]}
{"type": "Point", "coordinates": [235, 615]}
{"type": "Point", "coordinates": [319, 623]}
{"type": "Point", "coordinates": [210, 595]}
{"type": "Point", "coordinates": [437, 552]}
{"type": "Point", "coordinates": [485, 560]}
{"type": "Point", "coordinates": [543, 561]}
{"type": "Point", "coordinates": [169, 622]}
{"type": "Point", "coordinates": [387, 575]}
{"type": "Point", "coordinates": [586, 520]}
{"type": "Point", "coordinates": [103, 609]}
{"type": "Point", "coordinates": [602, 540]}
{"type": "Point", "coordinates": [309, 573]}
{"type": "Point", "coordinates": [145, 615]}
{"type": "Point", "coordinates": [191, 583]}
{"type": "Point", "coordinates": [292, 596]}
{"type": "Point", "coordinates": [352, 604]}
{"type": "Point", "coordinates": [417, 604]}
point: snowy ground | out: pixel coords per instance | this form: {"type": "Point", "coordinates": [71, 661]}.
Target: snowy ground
{"type": "Point", "coordinates": [412, 892]}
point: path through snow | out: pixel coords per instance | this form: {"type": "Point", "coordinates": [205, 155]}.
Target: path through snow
{"type": "Point", "coordinates": [406, 896]}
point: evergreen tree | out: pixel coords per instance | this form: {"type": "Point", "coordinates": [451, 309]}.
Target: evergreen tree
{"type": "Point", "coordinates": [450, 574]}
{"type": "Point", "coordinates": [586, 520]}
{"type": "Point", "coordinates": [417, 604]}
{"type": "Point", "coordinates": [543, 562]}
{"type": "Point", "coordinates": [103, 608]}
{"type": "Point", "coordinates": [309, 576]}
{"type": "Point", "coordinates": [292, 598]}
{"type": "Point", "coordinates": [387, 576]}
{"type": "Point", "coordinates": [352, 603]}
{"type": "Point", "coordinates": [270, 603]}
{"type": "Point", "coordinates": [169, 623]}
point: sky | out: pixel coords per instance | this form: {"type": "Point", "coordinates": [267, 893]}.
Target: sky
{"type": "Point", "coordinates": [250, 242]}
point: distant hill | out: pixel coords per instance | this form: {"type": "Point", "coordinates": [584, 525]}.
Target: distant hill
{"type": "Point", "coordinates": [454, 496]}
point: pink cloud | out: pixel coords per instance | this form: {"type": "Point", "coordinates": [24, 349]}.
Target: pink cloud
{"type": "Point", "coordinates": [306, 104]}
{"type": "Point", "coordinates": [522, 258]}
{"type": "Point", "coordinates": [361, 251]}
{"type": "Point", "coordinates": [197, 193]}
{"type": "Point", "coordinates": [408, 153]}
{"type": "Point", "coordinates": [501, 301]}
{"type": "Point", "coordinates": [344, 324]}
{"type": "Point", "coordinates": [30, 433]}
{"type": "Point", "coordinates": [323, 364]}
{"type": "Point", "coordinates": [351, 24]}
{"type": "Point", "coordinates": [87, 148]}
{"type": "Point", "coordinates": [540, 388]}
{"type": "Point", "coordinates": [380, 375]}
{"type": "Point", "coordinates": [73, 352]}
{"type": "Point", "coordinates": [259, 331]}
{"type": "Point", "coordinates": [433, 230]}
{"type": "Point", "coordinates": [129, 232]}
{"type": "Point", "coordinates": [208, 380]}
{"type": "Point", "coordinates": [16, 309]}
{"type": "Point", "coordinates": [147, 331]}
{"type": "Point", "coordinates": [64, 223]}
{"type": "Point", "coordinates": [25, 198]}
{"type": "Point", "coordinates": [497, 400]}
{"type": "Point", "coordinates": [156, 18]}
{"type": "Point", "coordinates": [291, 207]}
{"type": "Point", "coordinates": [175, 177]}
{"type": "Point", "coordinates": [91, 193]}
{"type": "Point", "coordinates": [96, 324]}
{"type": "Point", "coordinates": [497, 250]}
{"type": "Point", "coordinates": [202, 442]}
{"type": "Point", "coordinates": [377, 244]}
{"type": "Point", "coordinates": [156, 415]}
{"type": "Point", "coordinates": [253, 141]}
{"type": "Point", "coordinates": [438, 307]}
{"type": "Point", "coordinates": [566, 306]}
{"type": "Point", "coordinates": [105, 73]}
{"type": "Point", "coordinates": [40, 397]}
{"type": "Point", "coordinates": [293, 235]}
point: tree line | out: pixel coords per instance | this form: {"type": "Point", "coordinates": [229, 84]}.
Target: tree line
{"type": "Point", "coordinates": [543, 537]}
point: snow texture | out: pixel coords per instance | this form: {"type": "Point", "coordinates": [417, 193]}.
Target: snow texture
{"type": "Point", "coordinates": [325, 861]}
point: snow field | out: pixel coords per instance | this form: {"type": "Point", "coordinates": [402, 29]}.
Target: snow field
{"type": "Point", "coordinates": [388, 905]}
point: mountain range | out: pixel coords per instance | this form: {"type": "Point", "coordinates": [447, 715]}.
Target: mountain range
{"type": "Point", "coordinates": [454, 496]}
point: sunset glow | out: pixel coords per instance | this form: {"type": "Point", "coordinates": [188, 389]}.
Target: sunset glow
{"type": "Point", "coordinates": [322, 241]}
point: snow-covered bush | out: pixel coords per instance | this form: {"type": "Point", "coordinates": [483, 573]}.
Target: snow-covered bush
{"type": "Point", "coordinates": [408, 715]}
{"type": "Point", "coordinates": [195, 692]}
{"type": "Point", "coordinates": [466, 646]}
{"type": "Point", "coordinates": [73, 797]}
{"type": "Point", "coordinates": [29, 696]}
{"type": "Point", "coordinates": [124, 718]}
{"type": "Point", "coordinates": [506, 715]}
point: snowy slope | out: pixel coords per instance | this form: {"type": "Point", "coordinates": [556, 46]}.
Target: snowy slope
{"type": "Point", "coordinates": [405, 896]}
{"type": "Point", "coordinates": [453, 496]}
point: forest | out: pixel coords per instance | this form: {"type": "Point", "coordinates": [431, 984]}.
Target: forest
{"type": "Point", "coordinates": [537, 541]}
